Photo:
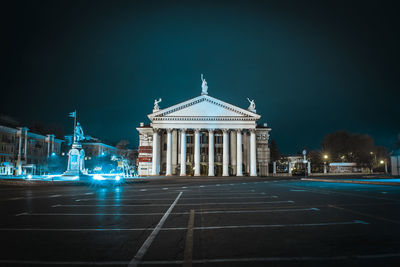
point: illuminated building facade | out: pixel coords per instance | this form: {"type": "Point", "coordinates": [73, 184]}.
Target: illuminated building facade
{"type": "Point", "coordinates": [203, 136]}
{"type": "Point", "coordinates": [22, 151]}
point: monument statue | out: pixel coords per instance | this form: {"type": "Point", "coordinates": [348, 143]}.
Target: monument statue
{"type": "Point", "coordinates": [76, 155]}
{"type": "Point", "coordinates": [156, 106]}
{"type": "Point", "coordinates": [252, 106]}
{"type": "Point", "coordinates": [204, 86]}
{"type": "Point", "coordinates": [78, 133]}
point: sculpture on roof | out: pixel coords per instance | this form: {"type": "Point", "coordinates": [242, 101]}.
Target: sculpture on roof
{"type": "Point", "coordinates": [156, 106]}
{"type": "Point", "coordinates": [252, 106]}
{"type": "Point", "coordinates": [204, 86]}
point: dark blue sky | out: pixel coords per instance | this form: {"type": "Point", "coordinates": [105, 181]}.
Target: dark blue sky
{"type": "Point", "coordinates": [313, 67]}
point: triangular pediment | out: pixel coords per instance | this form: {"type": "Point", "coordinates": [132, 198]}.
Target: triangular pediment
{"type": "Point", "coordinates": [203, 106]}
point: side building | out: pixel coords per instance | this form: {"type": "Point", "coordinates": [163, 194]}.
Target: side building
{"type": "Point", "coordinates": [24, 152]}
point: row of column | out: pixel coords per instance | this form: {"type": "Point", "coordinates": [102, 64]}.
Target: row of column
{"type": "Point", "coordinates": [225, 155]}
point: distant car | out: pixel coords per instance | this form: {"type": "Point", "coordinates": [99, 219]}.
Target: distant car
{"type": "Point", "coordinates": [298, 172]}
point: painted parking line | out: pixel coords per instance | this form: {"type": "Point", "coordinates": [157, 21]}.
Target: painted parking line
{"type": "Point", "coordinates": [204, 261]}
{"type": "Point", "coordinates": [182, 198]}
{"type": "Point", "coordinates": [188, 252]}
{"type": "Point", "coordinates": [364, 214]}
{"type": "Point", "coordinates": [185, 228]}
{"type": "Point", "coordinates": [183, 204]}
{"type": "Point", "coordinates": [161, 213]}
{"type": "Point", "coordinates": [143, 249]}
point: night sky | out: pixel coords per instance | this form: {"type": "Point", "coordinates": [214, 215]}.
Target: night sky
{"type": "Point", "coordinates": [313, 67]}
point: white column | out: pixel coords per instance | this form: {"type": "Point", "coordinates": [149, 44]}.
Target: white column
{"type": "Point", "coordinates": [233, 151]}
{"type": "Point", "coordinates": [253, 153]}
{"type": "Point", "coordinates": [197, 152]}
{"type": "Point", "coordinates": [211, 152]}
{"type": "Point", "coordinates": [155, 163]}
{"type": "Point", "coordinates": [19, 169]}
{"type": "Point", "coordinates": [174, 150]}
{"type": "Point", "coordinates": [169, 152]}
{"type": "Point", "coordinates": [290, 167]}
{"type": "Point", "coordinates": [309, 168]}
{"type": "Point", "coordinates": [239, 154]}
{"type": "Point", "coordinates": [225, 155]}
{"type": "Point", "coordinates": [325, 171]}
{"type": "Point", "coordinates": [274, 167]}
{"type": "Point", "coordinates": [26, 145]}
{"type": "Point", "coordinates": [183, 152]}
{"type": "Point", "coordinates": [48, 145]}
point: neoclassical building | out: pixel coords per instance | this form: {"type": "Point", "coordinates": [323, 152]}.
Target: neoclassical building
{"type": "Point", "coordinates": [203, 136]}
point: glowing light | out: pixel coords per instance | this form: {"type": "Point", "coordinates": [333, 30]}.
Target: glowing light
{"type": "Point", "coordinates": [98, 177]}
{"type": "Point", "coordinates": [325, 156]}
{"type": "Point", "coordinates": [29, 176]}
{"type": "Point", "coordinates": [382, 162]}
{"type": "Point", "coordinates": [117, 178]}
{"type": "Point", "coordinates": [53, 154]}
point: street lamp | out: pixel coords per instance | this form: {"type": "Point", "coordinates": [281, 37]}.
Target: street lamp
{"type": "Point", "coordinates": [325, 159]}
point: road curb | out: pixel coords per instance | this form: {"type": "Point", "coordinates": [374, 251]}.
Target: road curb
{"type": "Point", "coordinates": [349, 181]}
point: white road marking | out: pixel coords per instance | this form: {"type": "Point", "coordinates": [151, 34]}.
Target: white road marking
{"type": "Point", "coordinates": [143, 249]}
{"type": "Point", "coordinates": [183, 204]}
{"type": "Point", "coordinates": [88, 193]}
{"type": "Point", "coordinates": [201, 185]}
{"type": "Point", "coordinates": [165, 188]}
{"type": "Point", "coordinates": [202, 261]}
{"type": "Point", "coordinates": [298, 190]}
{"type": "Point", "coordinates": [143, 190]}
{"type": "Point", "coordinates": [184, 187]}
{"type": "Point", "coordinates": [162, 213]}
{"type": "Point", "coordinates": [52, 196]}
{"type": "Point", "coordinates": [182, 198]}
{"type": "Point", "coordinates": [182, 228]}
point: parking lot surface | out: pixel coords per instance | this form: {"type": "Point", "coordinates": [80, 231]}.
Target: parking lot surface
{"type": "Point", "coordinates": [201, 222]}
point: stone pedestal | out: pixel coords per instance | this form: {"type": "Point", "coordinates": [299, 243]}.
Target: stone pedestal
{"type": "Point", "coordinates": [76, 161]}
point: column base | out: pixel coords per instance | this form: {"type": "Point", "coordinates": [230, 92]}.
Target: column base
{"type": "Point", "coordinates": [197, 174]}
{"type": "Point", "coordinates": [240, 174]}
{"type": "Point", "coordinates": [182, 174]}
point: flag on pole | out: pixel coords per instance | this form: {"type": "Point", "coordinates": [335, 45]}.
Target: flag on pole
{"type": "Point", "coordinates": [72, 114]}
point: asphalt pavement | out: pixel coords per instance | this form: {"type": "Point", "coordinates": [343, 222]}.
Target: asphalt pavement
{"type": "Point", "coordinates": [201, 222]}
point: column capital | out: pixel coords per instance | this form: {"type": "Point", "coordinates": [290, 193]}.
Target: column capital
{"type": "Point", "coordinates": [252, 130]}
{"type": "Point", "coordinates": [183, 130]}
{"type": "Point", "coordinates": [197, 130]}
{"type": "Point", "coordinates": [169, 130]}
{"type": "Point", "coordinates": [239, 131]}
{"type": "Point", "coordinates": [211, 130]}
{"type": "Point", "coordinates": [225, 130]}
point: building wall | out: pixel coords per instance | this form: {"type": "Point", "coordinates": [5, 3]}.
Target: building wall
{"type": "Point", "coordinates": [38, 148]}
{"type": "Point", "coordinates": [146, 152]}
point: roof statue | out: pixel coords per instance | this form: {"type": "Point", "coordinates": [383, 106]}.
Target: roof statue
{"type": "Point", "coordinates": [156, 106]}
{"type": "Point", "coordinates": [204, 86]}
{"type": "Point", "coordinates": [252, 106]}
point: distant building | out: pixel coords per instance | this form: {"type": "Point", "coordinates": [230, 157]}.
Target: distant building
{"type": "Point", "coordinates": [395, 162]}
{"type": "Point", "coordinates": [24, 152]}
{"type": "Point", "coordinates": [344, 167]}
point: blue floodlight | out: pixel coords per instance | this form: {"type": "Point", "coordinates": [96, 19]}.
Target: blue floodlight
{"type": "Point", "coordinates": [53, 154]}
{"type": "Point", "coordinates": [117, 178]}
{"type": "Point", "coordinates": [29, 176]}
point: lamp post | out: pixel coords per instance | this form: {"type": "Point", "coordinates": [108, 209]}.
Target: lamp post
{"type": "Point", "coordinates": [384, 162]}
{"type": "Point", "coordinates": [325, 159]}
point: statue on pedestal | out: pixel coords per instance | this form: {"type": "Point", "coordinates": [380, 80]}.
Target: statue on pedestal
{"type": "Point", "coordinates": [252, 106]}
{"type": "Point", "coordinates": [76, 155]}
{"type": "Point", "coordinates": [204, 86]}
